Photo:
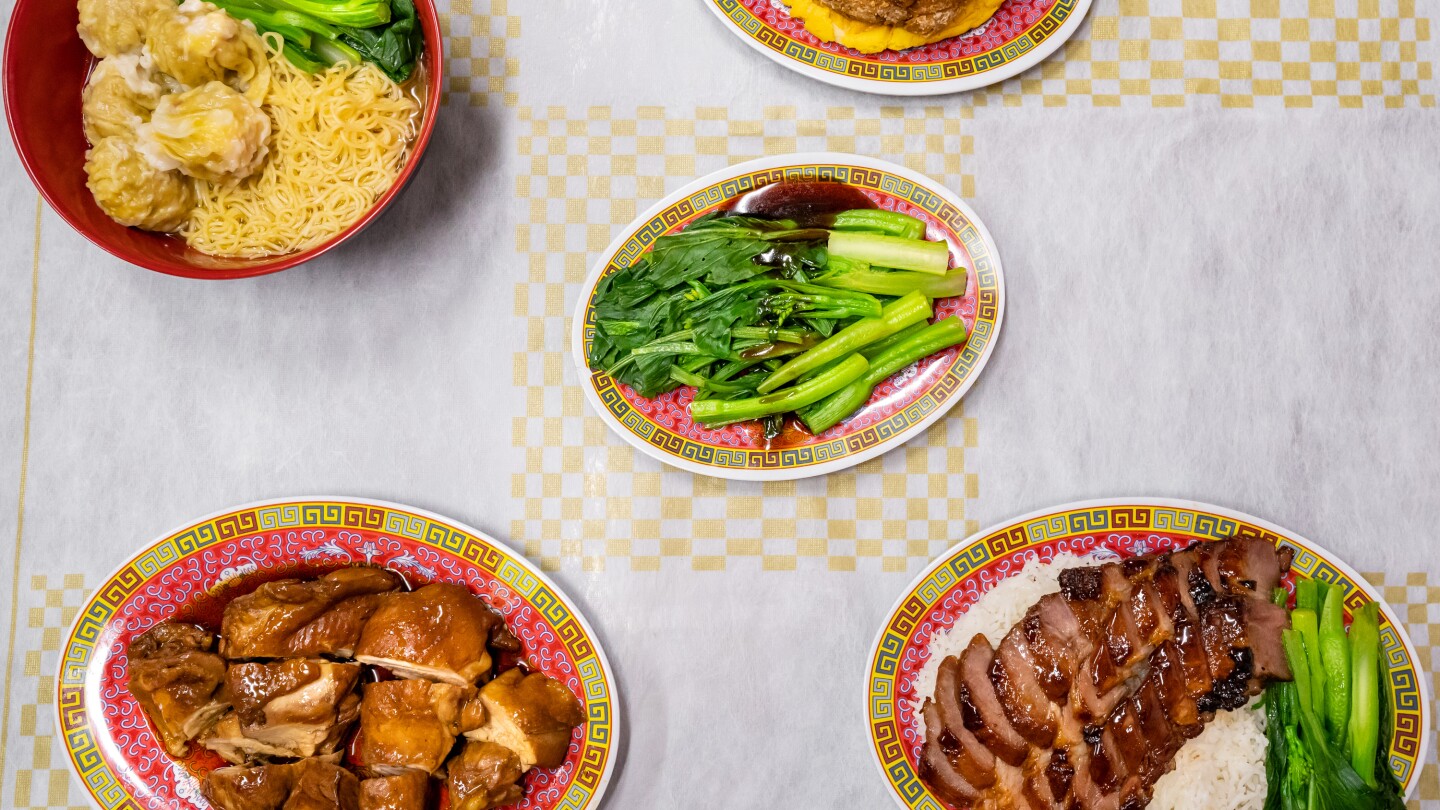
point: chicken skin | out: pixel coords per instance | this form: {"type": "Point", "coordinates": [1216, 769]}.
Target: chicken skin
{"type": "Point", "coordinates": [293, 618]}
{"type": "Point", "coordinates": [531, 715]}
{"type": "Point", "coordinates": [178, 682]}
{"type": "Point", "coordinates": [439, 632]}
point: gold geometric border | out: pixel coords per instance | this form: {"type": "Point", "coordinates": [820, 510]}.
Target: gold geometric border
{"type": "Point", "coordinates": [984, 553]}
{"type": "Point", "coordinates": [933, 399]}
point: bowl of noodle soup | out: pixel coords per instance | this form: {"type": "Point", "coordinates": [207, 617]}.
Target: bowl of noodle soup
{"type": "Point", "coordinates": [326, 175]}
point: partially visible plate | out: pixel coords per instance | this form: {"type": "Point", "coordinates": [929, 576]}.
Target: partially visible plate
{"type": "Point", "coordinates": [902, 406]}
{"type": "Point", "coordinates": [1109, 528]}
{"type": "Point", "coordinates": [1020, 35]}
{"type": "Point", "coordinates": [192, 572]}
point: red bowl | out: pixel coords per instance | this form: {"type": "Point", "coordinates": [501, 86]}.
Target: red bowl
{"type": "Point", "coordinates": [46, 66]}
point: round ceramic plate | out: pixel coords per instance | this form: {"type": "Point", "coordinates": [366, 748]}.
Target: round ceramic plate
{"type": "Point", "coordinates": [1019, 36]}
{"type": "Point", "coordinates": [1114, 529]}
{"type": "Point", "coordinates": [901, 407]}
{"type": "Point", "coordinates": [192, 572]}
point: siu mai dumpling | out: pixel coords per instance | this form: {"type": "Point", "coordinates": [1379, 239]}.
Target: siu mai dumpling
{"type": "Point", "coordinates": [196, 43]}
{"type": "Point", "coordinates": [291, 617]}
{"type": "Point", "coordinates": [119, 97]}
{"type": "Point", "coordinates": [483, 775]}
{"type": "Point", "coordinates": [439, 632]}
{"type": "Point", "coordinates": [129, 188]}
{"type": "Point", "coordinates": [211, 132]}
{"type": "Point", "coordinates": [310, 784]}
{"type": "Point", "coordinates": [177, 681]}
{"type": "Point", "coordinates": [408, 724]}
{"type": "Point", "coordinates": [114, 27]}
{"type": "Point", "coordinates": [302, 707]}
{"type": "Point", "coordinates": [404, 791]}
{"type": "Point", "coordinates": [531, 715]}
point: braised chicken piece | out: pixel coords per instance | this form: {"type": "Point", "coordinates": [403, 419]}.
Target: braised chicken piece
{"type": "Point", "coordinates": [177, 681]}
{"type": "Point", "coordinates": [438, 632]}
{"type": "Point", "coordinates": [293, 618]}
{"type": "Point", "coordinates": [227, 739]}
{"type": "Point", "coordinates": [484, 775]}
{"type": "Point", "coordinates": [920, 16]}
{"type": "Point", "coordinates": [404, 791]}
{"type": "Point", "coordinates": [408, 724]}
{"type": "Point", "coordinates": [531, 715]}
{"type": "Point", "coordinates": [297, 707]}
{"type": "Point", "coordinates": [310, 784]}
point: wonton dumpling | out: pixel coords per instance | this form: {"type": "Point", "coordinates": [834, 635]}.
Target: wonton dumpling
{"type": "Point", "coordinates": [196, 43]}
{"type": "Point", "coordinates": [211, 132]}
{"type": "Point", "coordinates": [133, 192]}
{"type": "Point", "coordinates": [114, 27]}
{"type": "Point", "coordinates": [120, 96]}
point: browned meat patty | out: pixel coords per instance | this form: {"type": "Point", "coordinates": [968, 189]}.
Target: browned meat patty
{"type": "Point", "coordinates": [923, 17]}
{"type": "Point", "coordinates": [1085, 703]}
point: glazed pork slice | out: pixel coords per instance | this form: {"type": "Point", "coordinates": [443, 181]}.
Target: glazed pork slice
{"type": "Point", "coordinates": [178, 681]}
{"type": "Point", "coordinates": [293, 618]}
{"type": "Point", "coordinates": [310, 784]}
{"type": "Point", "coordinates": [531, 715]}
{"type": "Point", "coordinates": [408, 724]}
{"type": "Point", "coordinates": [1086, 701]}
{"type": "Point", "coordinates": [292, 708]}
{"type": "Point", "coordinates": [403, 791]}
{"type": "Point", "coordinates": [483, 775]}
{"type": "Point", "coordinates": [440, 632]}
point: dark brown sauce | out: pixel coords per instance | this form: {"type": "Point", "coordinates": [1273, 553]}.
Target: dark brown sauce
{"type": "Point", "coordinates": [810, 204]}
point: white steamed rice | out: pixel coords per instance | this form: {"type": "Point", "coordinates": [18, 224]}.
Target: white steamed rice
{"type": "Point", "coordinates": [1222, 769]}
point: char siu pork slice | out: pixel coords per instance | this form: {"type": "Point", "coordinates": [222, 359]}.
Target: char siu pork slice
{"type": "Point", "coordinates": [177, 681]}
{"type": "Point", "coordinates": [292, 618]}
{"type": "Point", "coordinates": [408, 724]}
{"type": "Point", "coordinates": [937, 765]}
{"type": "Point", "coordinates": [310, 784]}
{"type": "Point", "coordinates": [531, 715]}
{"type": "Point", "coordinates": [438, 632]}
{"type": "Point", "coordinates": [984, 715]}
{"type": "Point", "coordinates": [403, 791]}
{"type": "Point", "coordinates": [1089, 698]}
{"type": "Point", "coordinates": [299, 707]}
{"type": "Point", "coordinates": [483, 775]}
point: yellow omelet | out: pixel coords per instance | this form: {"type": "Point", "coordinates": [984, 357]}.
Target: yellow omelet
{"type": "Point", "coordinates": [832, 26]}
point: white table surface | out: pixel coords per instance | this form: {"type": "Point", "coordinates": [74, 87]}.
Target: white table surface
{"type": "Point", "coordinates": [1229, 304]}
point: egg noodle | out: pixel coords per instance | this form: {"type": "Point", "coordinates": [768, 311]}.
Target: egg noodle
{"type": "Point", "coordinates": [340, 140]}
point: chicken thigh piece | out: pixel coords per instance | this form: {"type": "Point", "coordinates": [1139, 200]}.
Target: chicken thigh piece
{"type": "Point", "coordinates": [302, 707]}
{"type": "Point", "coordinates": [531, 715]}
{"type": "Point", "coordinates": [310, 784]}
{"type": "Point", "coordinates": [293, 618]}
{"type": "Point", "coordinates": [440, 632]}
{"type": "Point", "coordinates": [404, 791]}
{"type": "Point", "coordinates": [483, 775]}
{"type": "Point", "coordinates": [408, 724]}
{"type": "Point", "coordinates": [177, 681]}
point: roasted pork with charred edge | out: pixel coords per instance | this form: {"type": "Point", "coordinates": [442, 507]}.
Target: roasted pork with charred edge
{"type": "Point", "coordinates": [1085, 703]}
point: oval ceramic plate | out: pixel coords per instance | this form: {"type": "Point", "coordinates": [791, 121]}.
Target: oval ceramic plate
{"type": "Point", "coordinates": [1019, 36]}
{"type": "Point", "coordinates": [1114, 529]}
{"type": "Point", "coordinates": [191, 572]}
{"type": "Point", "coordinates": [901, 407]}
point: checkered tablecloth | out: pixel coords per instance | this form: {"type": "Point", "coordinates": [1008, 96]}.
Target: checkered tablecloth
{"type": "Point", "coordinates": [1217, 224]}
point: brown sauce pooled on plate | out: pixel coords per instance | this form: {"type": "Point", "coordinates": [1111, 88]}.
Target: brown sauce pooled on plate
{"type": "Point", "coordinates": [810, 204]}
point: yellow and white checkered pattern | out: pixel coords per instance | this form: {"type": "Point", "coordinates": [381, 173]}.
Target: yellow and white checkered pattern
{"type": "Point", "coordinates": [586, 496]}
{"type": "Point", "coordinates": [37, 757]}
{"type": "Point", "coordinates": [1235, 53]}
{"type": "Point", "coordinates": [478, 66]}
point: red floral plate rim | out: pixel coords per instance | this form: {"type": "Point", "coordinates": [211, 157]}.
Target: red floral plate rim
{"type": "Point", "coordinates": [111, 746]}
{"type": "Point", "coordinates": [1020, 35]}
{"type": "Point", "coordinates": [1114, 528]}
{"type": "Point", "coordinates": [902, 407]}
